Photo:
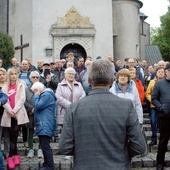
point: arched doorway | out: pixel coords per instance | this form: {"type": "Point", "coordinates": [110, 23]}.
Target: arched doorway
{"type": "Point", "coordinates": [77, 49]}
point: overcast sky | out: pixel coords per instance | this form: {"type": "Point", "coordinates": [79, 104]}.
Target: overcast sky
{"type": "Point", "coordinates": [154, 9]}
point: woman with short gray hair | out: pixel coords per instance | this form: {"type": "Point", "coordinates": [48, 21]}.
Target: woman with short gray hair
{"type": "Point", "coordinates": [68, 91]}
{"type": "Point", "coordinates": [29, 105]}
{"type": "Point", "coordinates": [45, 123]}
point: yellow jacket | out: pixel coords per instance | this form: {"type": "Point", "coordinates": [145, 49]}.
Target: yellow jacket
{"type": "Point", "coordinates": [148, 93]}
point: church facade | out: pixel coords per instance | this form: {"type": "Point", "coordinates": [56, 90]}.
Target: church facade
{"type": "Point", "coordinates": [85, 27]}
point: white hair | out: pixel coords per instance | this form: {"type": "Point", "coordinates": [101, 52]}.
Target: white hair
{"type": "Point", "coordinates": [37, 86]}
{"type": "Point", "coordinates": [70, 69]}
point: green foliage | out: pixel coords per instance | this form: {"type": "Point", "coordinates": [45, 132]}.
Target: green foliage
{"type": "Point", "coordinates": [6, 49]}
{"type": "Point", "coordinates": [161, 36]}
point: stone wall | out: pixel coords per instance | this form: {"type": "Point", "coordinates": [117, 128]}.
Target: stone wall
{"type": "Point", "coordinates": [3, 16]}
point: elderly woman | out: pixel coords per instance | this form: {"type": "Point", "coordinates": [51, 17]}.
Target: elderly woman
{"type": "Point", "coordinates": [14, 113]}
{"type": "Point", "coordinates": [29, 105]}
{"type": "Point", "coordinates": [68, 91]}
{"type": "Point", "coordinates": [125, 87]}
{"type": "Point", "coordinates": [44, 116]}
{"type": "Point", "coordinates": [154, 117]}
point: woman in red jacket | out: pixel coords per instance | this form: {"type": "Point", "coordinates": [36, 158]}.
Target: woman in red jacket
{"type": "Point", "coordinates": [139, 84]}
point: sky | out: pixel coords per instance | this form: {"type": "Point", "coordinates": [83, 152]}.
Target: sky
{"type": "Point", "coordinates": [154, 9]}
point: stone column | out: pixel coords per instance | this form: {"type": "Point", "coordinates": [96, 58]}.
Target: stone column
{"type": "Point", "coordinates": [126, 30]}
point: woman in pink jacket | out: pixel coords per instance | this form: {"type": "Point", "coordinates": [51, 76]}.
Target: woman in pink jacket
{"type": "Point", "coordinates": [68, 91]}
{"type": "Point", "coordinates": [14, 113]}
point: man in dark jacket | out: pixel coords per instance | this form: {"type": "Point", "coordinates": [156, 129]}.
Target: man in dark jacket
{"type": "Point", "coordinates": [49, 79]}
{"type": "Point", "coordinates": [98, 130]}
{"type": "Point", "coordinates": [161, 101]}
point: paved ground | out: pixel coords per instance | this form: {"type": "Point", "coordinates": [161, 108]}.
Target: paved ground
{"type": "Point", "coordinates": [147, 162]}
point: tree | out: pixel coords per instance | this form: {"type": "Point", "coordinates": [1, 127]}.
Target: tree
{"type": "Point", "coordinates": [6, 49]}
{"type": "Point", "coordinates": [161, 36]}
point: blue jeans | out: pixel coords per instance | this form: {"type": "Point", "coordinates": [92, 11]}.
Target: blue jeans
{"type": "Point", "coordinates": [47, 153]}
{"type": "Point", "coordinates": [2, 167]}
{"type": "Point", "coordinates": [154, 117]}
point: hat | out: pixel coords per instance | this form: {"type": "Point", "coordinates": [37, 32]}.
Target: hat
{"type": "Point", "coordinates": [46, 64]}
{"type": "Point", "coordinates": [99, 57]}
{"type": "Point", "coordinates": [52, 63]}
{"type": "Point", "coordinates": [126, 59]}
{"type": "Point", "coordinates": [167, 67]}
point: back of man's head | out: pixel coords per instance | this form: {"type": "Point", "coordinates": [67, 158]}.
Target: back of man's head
{"type": "Point", "coordinates": [101, 73]}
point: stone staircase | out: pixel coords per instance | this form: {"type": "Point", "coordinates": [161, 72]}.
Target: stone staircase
{"type": "Point", "coordinates": [148, 161]}
{"type": "Point", "coordinates": [144, 162]}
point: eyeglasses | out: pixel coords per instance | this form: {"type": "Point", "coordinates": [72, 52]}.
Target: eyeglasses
{"type": "Point", "coordinates": [35, 77]}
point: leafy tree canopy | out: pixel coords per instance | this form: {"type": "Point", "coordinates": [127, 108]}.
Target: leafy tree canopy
{"type": "Point", "coordinates": [6, 49]}
{"type": "Point", "coordinates": [161, 36]}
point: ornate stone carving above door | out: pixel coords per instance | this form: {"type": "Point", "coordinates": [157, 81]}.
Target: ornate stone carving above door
{"type": "Point", "coordinates": [72, 28]}
{"type": "Point", "coordinates": [73, 18]}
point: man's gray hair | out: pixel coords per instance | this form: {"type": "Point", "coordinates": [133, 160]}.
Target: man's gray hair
{"type": "Point", "coordinates": [101, 72]}
{"type": "Point", "coordinates": [34, 73]}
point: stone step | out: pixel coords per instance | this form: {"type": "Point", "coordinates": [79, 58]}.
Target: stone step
{"type": "Point", "coordinates": [148, 135]}
{"type": "Point", "coordinates": [66, 162]}
{"type": "Point", "coordinates": [149, 161]}
{"type": "Point", "coordinates": [146, 120]}
{"type": "Point", "coordinates": [23, 151]}
{"type": "Point", "coordinates": [151, 168]}
{"type": "Point", "coordinates": [146, 127]}
{"type": "Point", "coordinates": [146, 115]}
{"type": "Point", "coordinates": [61, 163]}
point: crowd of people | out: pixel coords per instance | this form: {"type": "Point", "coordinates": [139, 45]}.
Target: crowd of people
{"type": "Point", "coordinates": [38, 98]}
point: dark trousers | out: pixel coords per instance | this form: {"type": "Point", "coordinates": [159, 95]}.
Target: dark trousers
{"type": "Point", "coordinates": [13, 133]}
{"type": "Point", "coordinates": [24, 132]}
{"type": "Point", "coordinates": [163, 140]}
{"type": "Point", "coordinates": [47, 153]}
{"type": "Point", "coordinates": [30, 138]}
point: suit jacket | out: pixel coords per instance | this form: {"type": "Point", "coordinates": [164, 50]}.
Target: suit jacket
{"type": "Point", "coordinates": [102, 132]}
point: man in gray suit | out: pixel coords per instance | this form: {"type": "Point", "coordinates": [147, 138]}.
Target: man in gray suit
{"type": "Point", "coordinates": [101, 131]}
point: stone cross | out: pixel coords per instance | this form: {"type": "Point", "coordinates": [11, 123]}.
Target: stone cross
{"type": "Point", "coordinates": [20, 47]}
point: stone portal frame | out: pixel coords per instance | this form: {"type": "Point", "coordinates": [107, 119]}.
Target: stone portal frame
{"type": "Point", "coordinates": [71, 35]}
{"type": "Point", "coordinates": [72, 28]}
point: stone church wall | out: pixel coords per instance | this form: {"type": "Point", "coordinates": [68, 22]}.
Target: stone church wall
{"type": "Point", "coordinates": [20, 23]}
{"type": "Point", "coordinates": [34, 19]}
{"type": "Point", "coordinates": [3, 16]}
{"type": "Point", "coordinates": [114, 27]}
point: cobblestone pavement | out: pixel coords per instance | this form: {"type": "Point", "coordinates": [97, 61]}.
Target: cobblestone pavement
{"type": "Point", "coordinates": [166, 168]}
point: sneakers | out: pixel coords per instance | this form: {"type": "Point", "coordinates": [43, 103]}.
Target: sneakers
{"type": "Point", "coordinates": [17, 160]}
{"type": "Point", "coordinates": [10, 163]}
{"type": "Point", "coordinates": [39, 153]}
{"type": "Point", "coordinates": [30, 153]}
